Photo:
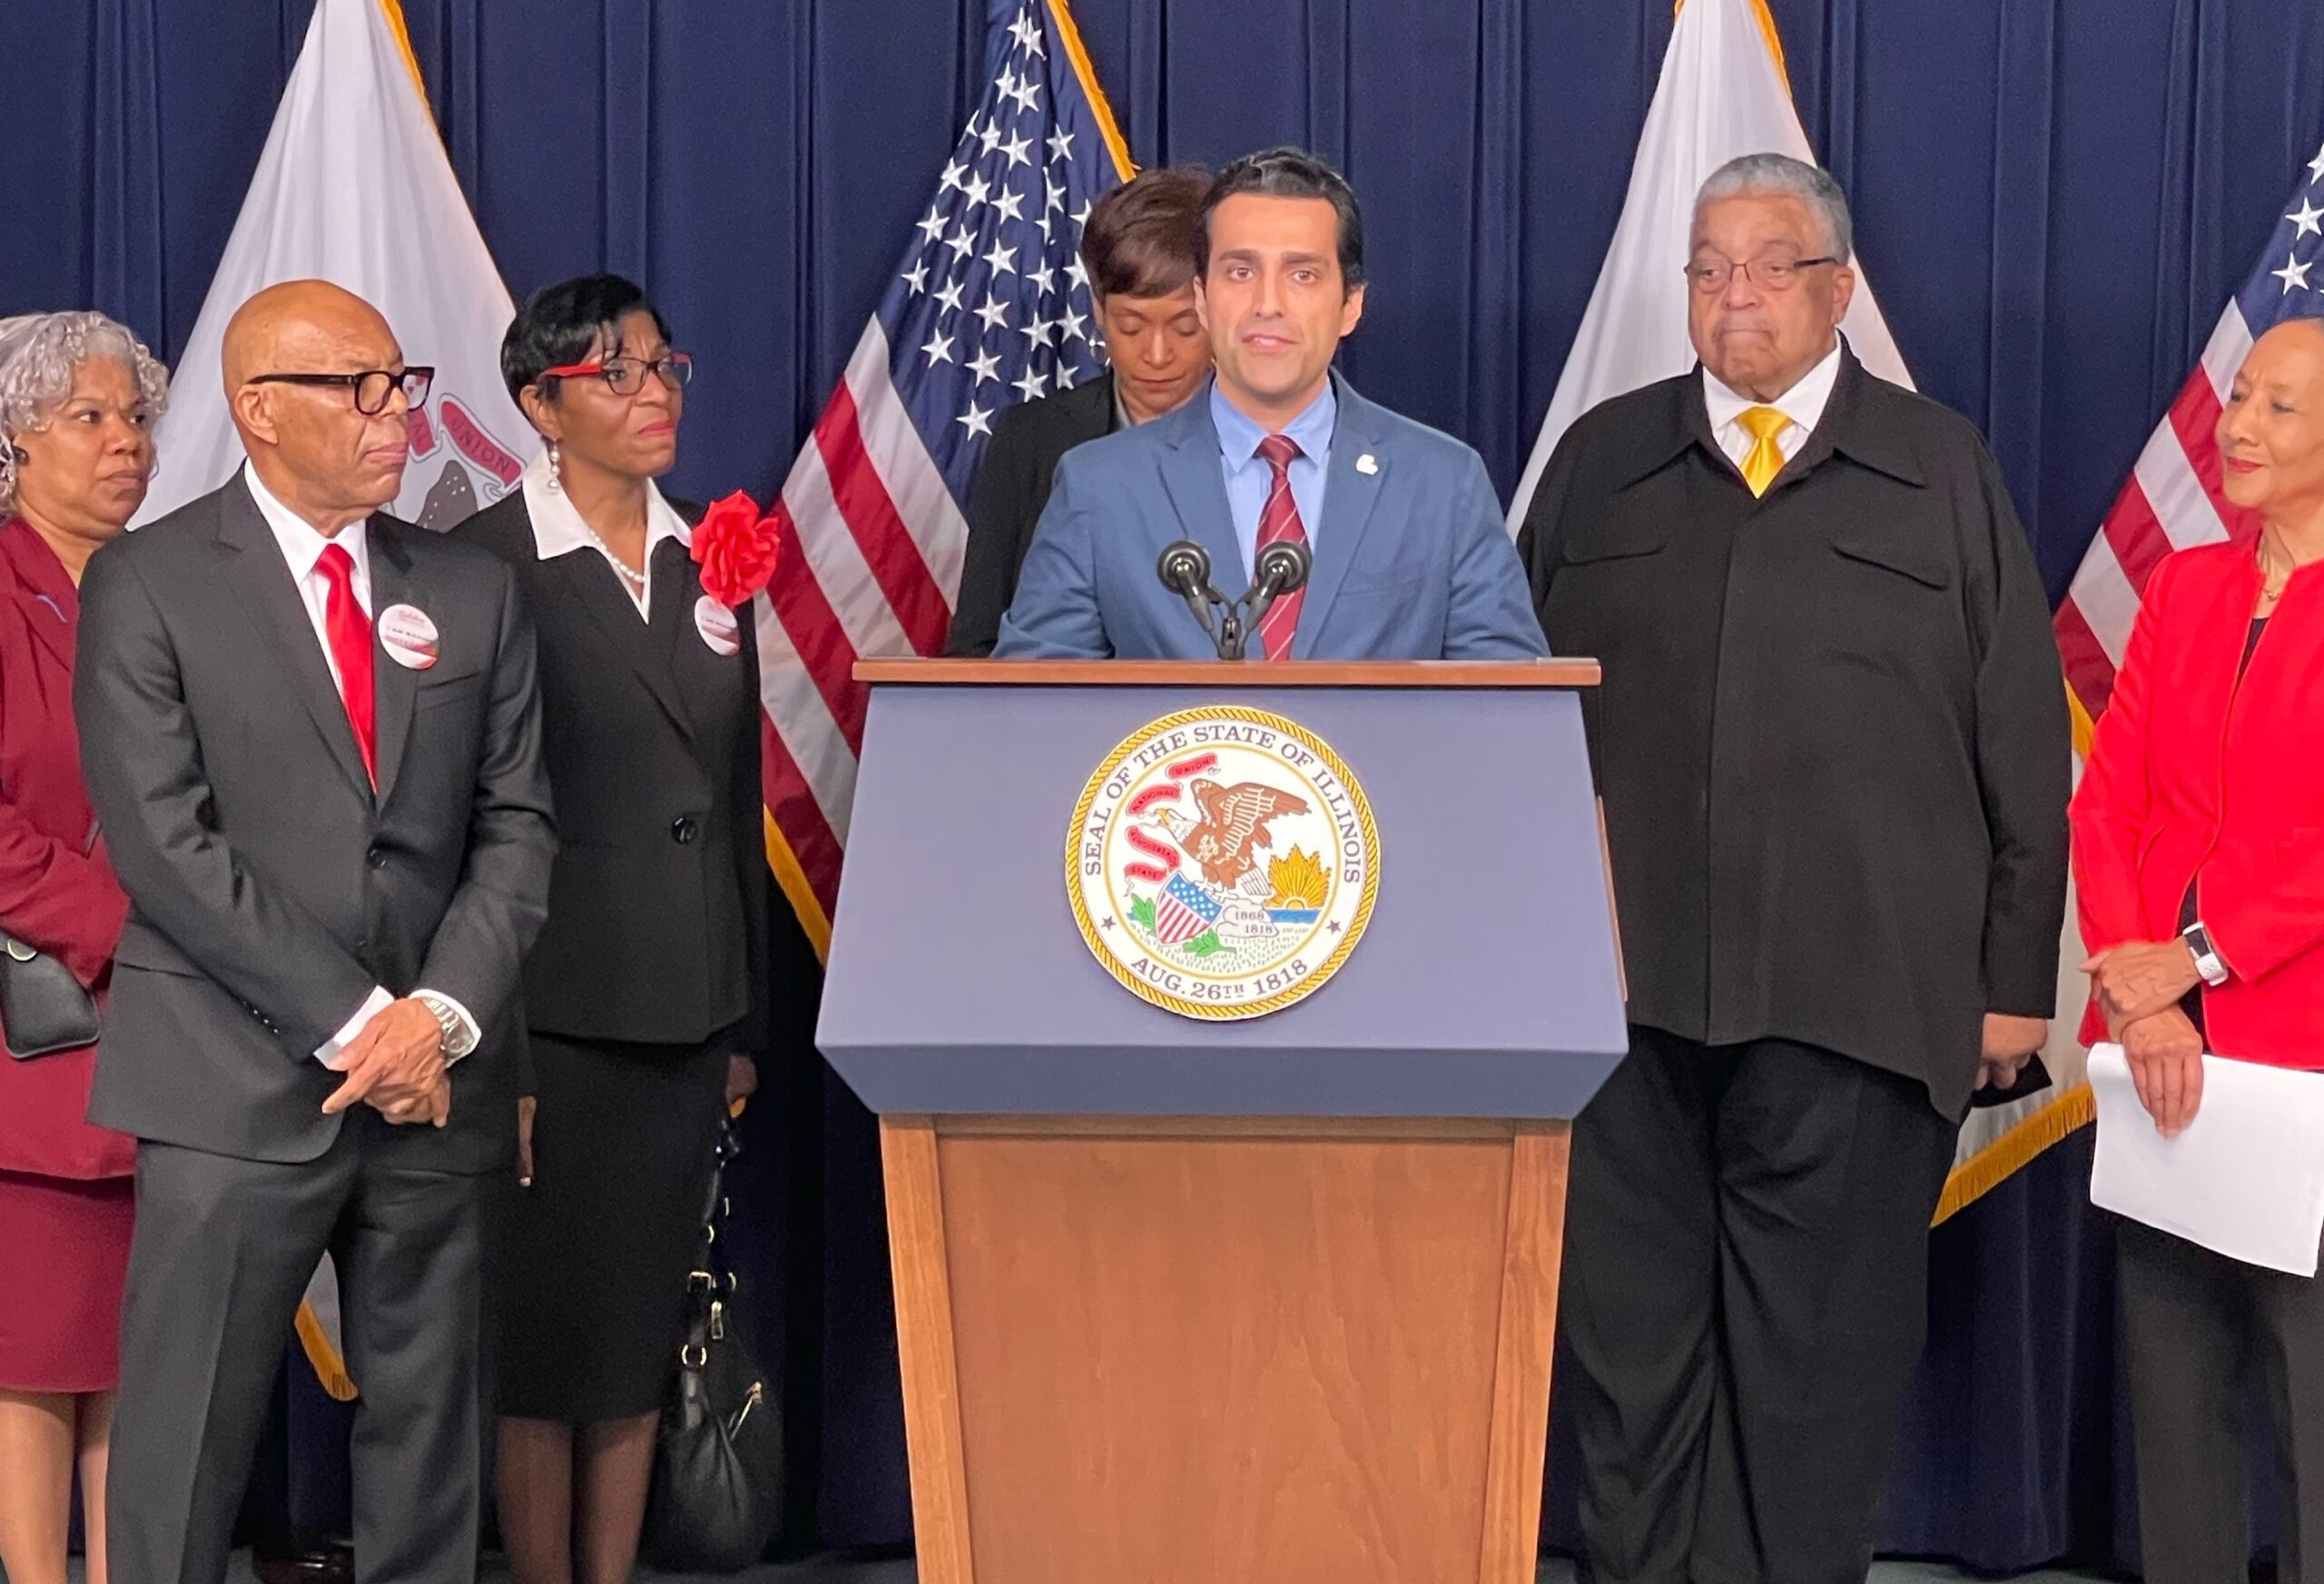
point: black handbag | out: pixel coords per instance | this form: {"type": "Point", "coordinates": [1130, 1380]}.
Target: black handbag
{"type": "Point", "coordinates": [716, 1499]}
{"type": "Point", "coordinates": [43, 1008]}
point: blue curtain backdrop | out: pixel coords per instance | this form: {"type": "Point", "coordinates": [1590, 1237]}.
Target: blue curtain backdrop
{"type": "Point", "coordinates": [2055, 197]}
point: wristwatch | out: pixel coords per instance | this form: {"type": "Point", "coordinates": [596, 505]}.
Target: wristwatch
{"type": "Point", "coordinates": [2206, 959]}
{"type": "Point", "coordinates": [456, 1043]}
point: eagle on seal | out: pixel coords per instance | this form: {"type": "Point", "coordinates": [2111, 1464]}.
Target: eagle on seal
{"type": "Point", "coordinates": [1233, 822]}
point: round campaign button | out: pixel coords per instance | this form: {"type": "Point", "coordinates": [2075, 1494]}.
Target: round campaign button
{"type": "Point", "coordinates": [717, 623]}
{"type": "Point", "coordinates": [408, 636]}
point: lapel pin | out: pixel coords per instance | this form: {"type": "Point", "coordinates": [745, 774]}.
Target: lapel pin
{"type": "Point", "coordinates": [1367, 463]}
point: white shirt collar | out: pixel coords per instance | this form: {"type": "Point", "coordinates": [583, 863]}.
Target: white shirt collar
{"type": "Point", "coordinates": [1803, 404]}
{"type": "Point", "coordinates": [558, 528]}
{"type": "Point", "coordinates": [302, 542]}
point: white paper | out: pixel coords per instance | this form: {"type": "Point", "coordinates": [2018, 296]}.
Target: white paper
{"type": "Point", "coordinates": [2245, 1179]}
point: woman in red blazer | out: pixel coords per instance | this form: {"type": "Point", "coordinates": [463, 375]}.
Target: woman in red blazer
{"type": "Point", "coordinates": [78, 396]}
{"type": "Point", "coordinates": [2198, 859]}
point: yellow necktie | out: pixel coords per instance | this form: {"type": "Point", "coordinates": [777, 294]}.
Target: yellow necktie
{"type": "Point", "coordinates": [1763, 461]}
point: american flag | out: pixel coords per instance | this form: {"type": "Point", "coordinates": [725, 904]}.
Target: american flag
{"type": "Point", "coordinates": [989, 306]}
{"type": "Point", "coordinates": [1183, 912]}
{"type": "Point", "coordinates": [2172, 500]}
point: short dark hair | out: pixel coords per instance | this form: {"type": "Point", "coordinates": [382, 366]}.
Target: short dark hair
{"type": "Point", "coordinates": [1289, 173]}
{"type": "Point", "coordinates": [1139, 239]}
{"type": "Point", "coordinates": [559, 323]}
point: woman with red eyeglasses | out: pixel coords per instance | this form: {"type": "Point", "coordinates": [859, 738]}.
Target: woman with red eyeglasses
{"type": "Point", "coordinates": [644, 996]}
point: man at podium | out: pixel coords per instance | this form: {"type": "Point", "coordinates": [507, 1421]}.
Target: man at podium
{"type": "Point", "coordinates": [1396, 525]}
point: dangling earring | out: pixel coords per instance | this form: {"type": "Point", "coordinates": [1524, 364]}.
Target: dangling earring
{"type": "Point", "coordinates": [556, 470]}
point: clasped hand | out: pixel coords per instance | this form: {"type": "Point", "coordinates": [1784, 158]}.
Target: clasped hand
{"type": "Point", "coordinates": [2165, 1053]}
{"type": "Point", "coordinates": [2140, 979]}
{"type": "Point", "coordinates": [396, 1065]}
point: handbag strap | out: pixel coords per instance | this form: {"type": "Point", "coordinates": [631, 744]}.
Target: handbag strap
{"type": "Point", "coordinates": [711, 1269]}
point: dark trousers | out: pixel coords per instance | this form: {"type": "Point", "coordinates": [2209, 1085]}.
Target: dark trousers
{"type": "Point", "coordinates": [2201, 1330]}
{"type": "Point", "coordinates": [1744, 1297]}
{"type": "Point", "coordinates": [222, 1252]}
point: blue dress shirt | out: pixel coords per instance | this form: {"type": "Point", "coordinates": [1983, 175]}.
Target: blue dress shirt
{"type": "Point", "coordinates": [1249, 478]}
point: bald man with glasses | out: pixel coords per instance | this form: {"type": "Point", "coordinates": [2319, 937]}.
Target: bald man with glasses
{"type": "Point", "coordinates": [311, 734]}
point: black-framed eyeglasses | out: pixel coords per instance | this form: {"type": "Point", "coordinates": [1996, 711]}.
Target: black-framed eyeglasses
{"type": "Point", "coordinates": [627, 376]}
{"type": "Point", "coordinates": [372, 387]}
{"type": "Point", "coordinates": [1711, 275]}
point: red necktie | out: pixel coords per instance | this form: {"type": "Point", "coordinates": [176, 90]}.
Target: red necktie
{"type": "Point", "coordinates": [351, 647]}
{"type": "Point", "coordinates": [1279, 521]}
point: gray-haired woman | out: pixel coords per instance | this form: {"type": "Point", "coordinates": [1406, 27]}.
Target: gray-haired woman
{"type": "Point", "coordinates": [78, 397]}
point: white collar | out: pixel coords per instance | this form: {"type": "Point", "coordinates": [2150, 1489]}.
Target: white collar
{"type": "Point", "coordinates": [558, 528]}
{"type": "Point", "coordinates": [302, 542]}
{"type": "Point", "coordinates": [1803, 404]}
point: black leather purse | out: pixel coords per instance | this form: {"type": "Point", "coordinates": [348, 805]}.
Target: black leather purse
{"type": "Point", "coordinates": [43, 1008]}
{"type": "Point", "coordinates": [716, 1499]}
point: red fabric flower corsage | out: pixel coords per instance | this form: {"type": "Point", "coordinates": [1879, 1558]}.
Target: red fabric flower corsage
{"type": "Point", "coordinates": [736, 546]}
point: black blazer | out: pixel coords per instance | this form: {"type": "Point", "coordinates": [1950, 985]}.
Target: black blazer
{"type": "Point", "coordinates": [271, 888]}
{"type": "Point", "coordinates": [1832, 737]}
{"type": "Point", "coordinates": [1005, 502]}
{"type": "Point", "coordinates": [657, 921]}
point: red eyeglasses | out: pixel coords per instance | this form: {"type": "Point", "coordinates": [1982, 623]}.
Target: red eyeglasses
{"type": "Point", "coordinates": [627, 376]}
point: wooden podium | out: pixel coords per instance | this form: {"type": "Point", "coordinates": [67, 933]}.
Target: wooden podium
{"type": "Point", "coordinates": [1255, 1302]}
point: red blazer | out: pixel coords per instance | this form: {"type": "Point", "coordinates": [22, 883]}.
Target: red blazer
{"type": "Point", "coordinates": [2194, 773]}
{"type": "Point", "coordinates": [53, 896]}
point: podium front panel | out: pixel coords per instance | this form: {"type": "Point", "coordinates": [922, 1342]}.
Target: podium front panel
{"type": "Point", "coordinates": [1485, 985]}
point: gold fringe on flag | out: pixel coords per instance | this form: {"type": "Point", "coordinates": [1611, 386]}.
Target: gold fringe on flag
{"type": "Point", "coordinates": [792, 881]}
{"type": "Point", "coordinates": [1766, 26]}
{"type": "Point", "coordinates": [2077, 1107]}
{"type": "Point", "coordinates": [1062, 15]}
{"type": "Point", "coordinates": [330, 1368]}
{"type": "Point", "coordinates": [393, 10]}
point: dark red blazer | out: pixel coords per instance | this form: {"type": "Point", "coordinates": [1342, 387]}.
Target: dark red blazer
{"type": "Point", "coordinates": [55, 894]}
{"type": "Point", "coordinates": [2197, 775]}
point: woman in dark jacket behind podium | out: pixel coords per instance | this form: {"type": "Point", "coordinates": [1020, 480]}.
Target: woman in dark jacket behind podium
{"type": "Point", "coordinates": [642, 998]}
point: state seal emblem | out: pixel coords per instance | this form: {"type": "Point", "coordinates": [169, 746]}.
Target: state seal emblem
{"type": "Point", "coordinates": [1221, 864]}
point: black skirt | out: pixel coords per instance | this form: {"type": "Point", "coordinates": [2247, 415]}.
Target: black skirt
{"type": "Point", "coordinates": [587, 1267]}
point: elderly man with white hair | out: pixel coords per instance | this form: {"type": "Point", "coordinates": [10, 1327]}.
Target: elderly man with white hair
{"type": "Point", "coordinates": [1833, 746]}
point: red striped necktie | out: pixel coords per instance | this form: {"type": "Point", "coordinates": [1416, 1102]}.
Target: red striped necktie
{"type": "Point", "coordinates": [1278, 523]}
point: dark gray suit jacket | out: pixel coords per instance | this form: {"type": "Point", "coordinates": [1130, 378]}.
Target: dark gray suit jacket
{"type": "Point", "coordinates": [271, 888]}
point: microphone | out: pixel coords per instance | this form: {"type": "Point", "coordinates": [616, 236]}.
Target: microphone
{"type": "Point", "coordinates": [1282, 568]}
{"type": "Point", "coordinates": [1185, 570]}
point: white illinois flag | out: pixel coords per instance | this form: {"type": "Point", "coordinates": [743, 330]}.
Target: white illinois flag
{"type": "Point", "coordinates": [354, 188]}
{"type": "Point", "coordinates": [1722, 93]}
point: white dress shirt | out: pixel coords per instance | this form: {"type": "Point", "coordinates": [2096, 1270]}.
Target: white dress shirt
{"type": "Point", "coordinates": [558, 529]}
{"type": "Point", "coordinates": [1803, 404]}
{"type": "Point", "coordinates": [303, 545]}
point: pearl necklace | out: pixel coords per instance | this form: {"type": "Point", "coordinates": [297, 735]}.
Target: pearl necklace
{"type": "Point", "coordinates": [635, 580]}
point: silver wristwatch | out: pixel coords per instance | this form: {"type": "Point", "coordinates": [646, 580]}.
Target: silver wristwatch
{"type": "Point", "coordinates": [456, 1043]}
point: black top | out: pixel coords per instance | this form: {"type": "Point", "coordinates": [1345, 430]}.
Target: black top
{"type": "Point", "coordinates": [657, 924]}
{"type": "Point", "coordinates": [1832, 738]}
{"type": "Point", "coordinates": [1005, 502]}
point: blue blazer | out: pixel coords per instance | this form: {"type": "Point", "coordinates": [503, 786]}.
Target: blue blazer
{"type": "Point", "coordinates": [1411, 561]}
